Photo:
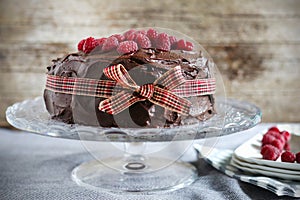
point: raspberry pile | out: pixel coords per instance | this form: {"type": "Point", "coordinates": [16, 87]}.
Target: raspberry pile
{"type": "Point", "coordinates": [132, 40]}
{"type": "Point", "coordinates": [275, 144]}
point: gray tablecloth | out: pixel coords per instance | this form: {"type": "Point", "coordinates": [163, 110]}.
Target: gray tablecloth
{"type": "Point", "coordinates": [39, 167]}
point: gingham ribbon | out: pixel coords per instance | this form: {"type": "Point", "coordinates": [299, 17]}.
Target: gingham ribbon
{"type": "Point", "coordinates": [122, 91]}
{"type": "Point", "coordinates": [81, 86]}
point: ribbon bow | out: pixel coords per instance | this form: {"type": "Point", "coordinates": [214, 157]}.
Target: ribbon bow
{"type": "Point", "coordinates": [158, 93]}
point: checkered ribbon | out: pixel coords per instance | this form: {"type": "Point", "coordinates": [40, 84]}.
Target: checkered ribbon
{"type": "Point", "coordinates": [121, 91]}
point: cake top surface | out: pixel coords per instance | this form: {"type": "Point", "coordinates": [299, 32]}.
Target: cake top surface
{"type": "Point", "coordinates": [132, 40]}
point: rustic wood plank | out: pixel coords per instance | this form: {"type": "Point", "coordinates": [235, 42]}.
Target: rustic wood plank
{"type": "Point", "coordinates": [255, 44]}
{"type": "Point", "coordinates": [212, 30]}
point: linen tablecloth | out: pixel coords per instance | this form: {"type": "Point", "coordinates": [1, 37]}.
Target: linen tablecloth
{"type": "Point", "coordinates": [39, 167]}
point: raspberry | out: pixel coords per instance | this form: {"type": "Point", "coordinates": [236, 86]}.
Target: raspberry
{"type": "Point", "coordinates": [143, 41]}
{"type": "Point", "coordinates": [89, 44]}
{"type": "Point", "coordinates": [189, 46]}
{"type": "Point", "coordinates": [278, 144]}
{"type": "Point", "coordinates": [277, 136]}
{"type": "Point", "coordinates": [184, 45]}
{"type": "Point", "coordinates": [270, 152]}
{"type": "Point", "coordinates": [180, 44]}
{"type": "Point", "coordinates": [132, 37]}
{"type": "Point", "coordinates": [110, 43]}
{"type": "Point", "coordinates": [298, 157]}
{"type": "Point", "coordinates": [142, 32]}
{"type": "Point", "coordinates": [100, 41]}
{"type": "Point", "coordinates": [274, 128]}
{"type": "Point", "coordinates": [263, 150]}
{"type": "Point", "coordinates": [127, 47]}
{"type": "Point", "coordinates": [163, 42]}
{"type": "Point", "coordinates": [173, 42]}
{"type": "Point", "coordinates": [152, 34]}
{"type": "Point", "coordinates": [120, 37]}
{"type": "Point", "coordinates": [80, 45]}
{"type": "Point", "coordinates": [268, 139]}
{"type": "Point", "coordinates": [128, 33]}
{"type": "Point", "coordinates": [287, 146]}
{"type": "Point", "coordinates": [286, 135]}
{"type": "Point", "coordinates": [288, 156]}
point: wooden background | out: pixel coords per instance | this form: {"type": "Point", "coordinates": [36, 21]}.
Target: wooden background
{"type": "Point", "coordinates": [256, 44]}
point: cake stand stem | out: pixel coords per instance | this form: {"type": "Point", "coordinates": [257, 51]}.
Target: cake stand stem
{"type": "Point", "coordinates": [134, 156]}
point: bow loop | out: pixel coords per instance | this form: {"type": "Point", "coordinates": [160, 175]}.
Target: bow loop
{"type": "Point", "coordinates": [119, 74]}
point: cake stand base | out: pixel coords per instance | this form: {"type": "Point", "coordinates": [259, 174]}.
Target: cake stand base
{"type": "Point", "coordinates": [120, 176]}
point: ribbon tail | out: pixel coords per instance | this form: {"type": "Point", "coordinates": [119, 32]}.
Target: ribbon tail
{"type": "Point", "coordinates": [117, 103]}
{"type": "Point", "coordinates": [81, 86]}
{"type": "Point", "coordinates": [196, 87]}
{"type": "Point", "coordinates": [170, 101]}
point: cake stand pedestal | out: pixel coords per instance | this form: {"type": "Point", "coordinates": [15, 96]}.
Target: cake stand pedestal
{"type": "Point", "coordinates": [135, 171]}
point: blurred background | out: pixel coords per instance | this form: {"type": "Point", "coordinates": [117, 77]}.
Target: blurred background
{"type": "Point", "coordinates": [255, 44]}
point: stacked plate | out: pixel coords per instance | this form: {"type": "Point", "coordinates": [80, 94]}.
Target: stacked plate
{"type": "Point", "coordinates": [247, 158]}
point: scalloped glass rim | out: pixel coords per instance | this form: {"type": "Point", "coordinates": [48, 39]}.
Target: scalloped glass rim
{"type": "Point", "coordinates": [31, 115]}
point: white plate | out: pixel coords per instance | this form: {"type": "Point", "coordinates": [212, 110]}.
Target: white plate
{"type": "Point", "coordinates": [265, 168]}
{"type": "Point", "coordinates": [264, 172]}
{"type": "Point", "coordinates": [220, 159]}
{"type": "Point", "coordinates": [250, 151]}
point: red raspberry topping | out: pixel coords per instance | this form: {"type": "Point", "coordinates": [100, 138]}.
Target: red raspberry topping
{"type": "Point", "coordinates": [120, 37]}
{"type": "Point", "coordinates": [270, 152]}
{"type": "Point", "coordinates": [189, 46]}
{"type": "Point", "coordinates": [110, 43]}
{"type": "Point", "coordinates": [163, 42]}
{"type": "Point", "coordinates": [132, 37]}
{"type": "Point", "coordinates": [278, 144]}
{"type": "Point", "coordinates": [128, 33]}
{"type": "Point", "coordinates": [142, 32]}
{"type": "Point", "coordinates": [268, 139]}
{"type": "Point", "coordinates": [274, 128]}
{"type": "Point", "coordinates": [127, 47]}
{"type": "Point", "coordinates": [89, 44]}
{"type": "Point", "coordinates": [143, 38]}
{"type": "Point", "coordinates": [286, 135]}
{"type": "Point", "coordinates": [173, 42]}
{"type": "Point", "coordinates": [143, 41]}
{"type": "Point", "coordinates": [100, 41]}
{"type": "Point", "coordinates": [184, 45]}
{"type": "Point", "coordinates": [80, 45]}
{"type": "Point", "coordinates": [152, 34]}
{"type": "Point", "coordinates": [298, 157]}
{"type": "Point", "coordinates": [288, 156]}
{"type": "Point", "coordinates": [181, 45]}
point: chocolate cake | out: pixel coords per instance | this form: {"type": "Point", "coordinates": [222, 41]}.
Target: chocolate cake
{"type": "Point", "coordinates": [144, 65]}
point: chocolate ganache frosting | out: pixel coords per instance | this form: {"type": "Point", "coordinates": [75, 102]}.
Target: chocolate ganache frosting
{"type": "Point", "coordinates": [144, 65]}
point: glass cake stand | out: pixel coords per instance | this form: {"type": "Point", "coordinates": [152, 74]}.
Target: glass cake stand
{"type": "Point", "coordinates": [132, 170]}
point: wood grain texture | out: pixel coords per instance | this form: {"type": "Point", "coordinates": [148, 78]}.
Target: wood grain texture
{"type": "Point", "coordinates": [255, 44]}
